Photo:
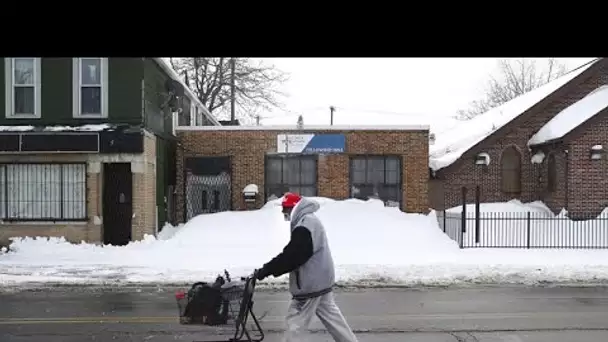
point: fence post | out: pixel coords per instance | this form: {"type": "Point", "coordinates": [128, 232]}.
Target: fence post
{"type": "Point", "coordinates": [463, 217]}
{"type": "Point", "coordinates": [477, 210]}
{"type": "Point", "coordinates": [444, 220]}
{"type": "Point", "coordinates": [528, 228]}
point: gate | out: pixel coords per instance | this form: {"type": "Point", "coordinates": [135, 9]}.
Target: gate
{"type": "Point", "coordinates": [208, 186]}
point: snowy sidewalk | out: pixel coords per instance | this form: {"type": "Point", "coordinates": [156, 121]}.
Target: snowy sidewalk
{"type": "Point", "coordinates": [371, 245]}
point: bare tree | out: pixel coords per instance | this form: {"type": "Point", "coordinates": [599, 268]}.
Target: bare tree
{"type": "Point", "coordinates": [515, 77]}
{"type": "Point", "coordinates": [256, 84]}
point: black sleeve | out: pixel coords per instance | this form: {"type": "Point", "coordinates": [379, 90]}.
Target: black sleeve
{"type": "Point", "coordinates": [294, 255]}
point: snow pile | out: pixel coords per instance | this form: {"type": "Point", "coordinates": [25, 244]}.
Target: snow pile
{"type": "Point", "coordinates": [506, 225]}
{"type": "Point", "coordinates": [360, 233]}
{"type": "Point", "coordinates": [571, 117]}
{"type": "Point", "coordinates": [371, 244]}
{"type": "Point", "coordinates": [168, 231]}
{"type": "Point", "coordinates": [451, 144]}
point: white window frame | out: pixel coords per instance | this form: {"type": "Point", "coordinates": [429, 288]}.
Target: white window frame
{"type": "Point", "coordinates": [9, 89]}
{"type": "Point", "coordinates": [77, 84]}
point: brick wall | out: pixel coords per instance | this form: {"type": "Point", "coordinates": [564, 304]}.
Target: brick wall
{"type": "Point", "coordinates": [144, 191]}
{"type": "Point", "coordinates": [247, 149]}
{"type": "Point", "coordinates": [465, 173]}
{"type": "Point", "coordinates": [588, 179]}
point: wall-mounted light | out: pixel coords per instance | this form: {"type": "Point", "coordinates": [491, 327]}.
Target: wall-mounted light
{"type": "Point", "coordinates": [597, 152]}
{"type": "Point", "coordinates": [482, 159]}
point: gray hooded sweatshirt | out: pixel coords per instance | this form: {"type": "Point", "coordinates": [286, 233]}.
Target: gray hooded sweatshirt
{"type": "Point", "coordinates": [317, 276]}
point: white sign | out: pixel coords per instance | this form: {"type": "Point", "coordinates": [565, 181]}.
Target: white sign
{"type": "Point", "coordinates": [293, 143]}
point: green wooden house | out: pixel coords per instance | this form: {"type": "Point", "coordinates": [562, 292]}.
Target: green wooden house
{"type": "Point", "coordinates": [88, 145]}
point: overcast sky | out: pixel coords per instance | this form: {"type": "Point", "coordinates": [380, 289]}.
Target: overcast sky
{"type": "Point", "coordinates": [396, 90]}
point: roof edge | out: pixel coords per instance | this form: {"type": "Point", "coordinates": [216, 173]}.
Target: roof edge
{"type": "Point", "coordinates": [531, 109]}
{"type": "Point", "coordinates": [571, 135]}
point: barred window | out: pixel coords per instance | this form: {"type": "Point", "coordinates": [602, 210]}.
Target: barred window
{"type": "Point", "coordinates": [43, 192]}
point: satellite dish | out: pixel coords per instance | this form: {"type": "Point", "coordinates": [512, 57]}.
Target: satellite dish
{"type": "Point", "coordinates": [174, 87]}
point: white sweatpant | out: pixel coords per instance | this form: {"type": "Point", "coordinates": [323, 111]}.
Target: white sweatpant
{"type": "Point", "coordinates": [301, 312]}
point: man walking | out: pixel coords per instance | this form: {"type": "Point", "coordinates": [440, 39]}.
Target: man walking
{"type": "Point", "coordinates": [307, 258]}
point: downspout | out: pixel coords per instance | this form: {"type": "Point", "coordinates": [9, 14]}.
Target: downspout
{"type": "Point", "coordinates": [143, 100]}
{"type": "Point", "coordinates": [567, 175]}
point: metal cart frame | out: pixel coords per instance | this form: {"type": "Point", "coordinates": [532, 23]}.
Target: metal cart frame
{"type": "Point", "coordinates": [243, 298]}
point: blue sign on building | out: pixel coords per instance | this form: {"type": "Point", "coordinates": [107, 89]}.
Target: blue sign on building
{"type": "Point", "coordinates": [311, 143]}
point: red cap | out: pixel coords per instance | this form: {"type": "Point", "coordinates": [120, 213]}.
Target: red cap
{"type": "Point", "coordinates": [290, 200]}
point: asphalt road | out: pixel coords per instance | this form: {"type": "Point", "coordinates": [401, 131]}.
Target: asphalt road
{"type": "Point", "coordinates": [513, 314]}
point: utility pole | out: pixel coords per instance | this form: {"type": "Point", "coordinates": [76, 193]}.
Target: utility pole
{"type": "Point", "coordinates": [232, 97]}
{"type": "Point", "coordinates": [331, 110]}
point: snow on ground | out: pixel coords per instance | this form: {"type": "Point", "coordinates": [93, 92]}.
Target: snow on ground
{"type": "Point", "coordinates": [371, 245]}
{"type": "Point", "coordinates": [571, 117]}
{"type": "Point", "coordinates": [451, 144]}
{"type": "Point", "coordinates": [506, 225]}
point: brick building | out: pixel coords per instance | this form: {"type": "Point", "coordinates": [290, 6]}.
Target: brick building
{"type": "Point", "coordinates": [503, 153]}
{"type": "Point", "coordinates": [215, 164]}
{"type": "Point", "coordinates": [87, 146]}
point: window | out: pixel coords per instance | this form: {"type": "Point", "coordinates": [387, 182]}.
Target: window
{"type": "Point", "coordinates": [510, 165]}
{"type": "Point", "coordinates": [90, 87]}
{"type": "Point", "coordinates": [43, 192]}
{"type": "Point", "coordinates": [376, 177]}
{"type": "Point", "coordinates": [551, 173]}
{"type": "Point", "coordinates": [185, 116]}
{"type": "Point", "coordinates": [22, 91]}
{"type": "Point", "coordinates": [296, 173]}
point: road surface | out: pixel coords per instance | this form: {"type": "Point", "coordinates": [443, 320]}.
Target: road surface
{"type": "Point", "coordinates": [494, 314]}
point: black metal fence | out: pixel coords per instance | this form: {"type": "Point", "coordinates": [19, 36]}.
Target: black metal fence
{"type": "Point", "coordinates": [524, 230]}
{"type": "Point", "coordinates": [531, 229]}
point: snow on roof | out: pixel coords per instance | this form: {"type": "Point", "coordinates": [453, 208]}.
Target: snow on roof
{"type": "Point", "coordinates": [451, 144]}
{"type": "Point", "coordinates": [81, 128]}
{"type": "Point", "coordinates": [571, 117]}
{"type": "Point", "coordinates": [169, 70]}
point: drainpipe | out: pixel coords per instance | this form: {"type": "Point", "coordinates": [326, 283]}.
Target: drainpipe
{"type": "Point", "coordinates": [567, 178]}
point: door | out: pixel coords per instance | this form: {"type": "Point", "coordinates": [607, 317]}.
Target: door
{"type": "Point", "coordinates": [117, 203]}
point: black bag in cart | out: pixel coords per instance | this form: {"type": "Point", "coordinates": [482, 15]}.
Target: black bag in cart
{"type": "Point", "coordinates": [205, 304]}
{"type": "Point", "coordinates": [225, 302]}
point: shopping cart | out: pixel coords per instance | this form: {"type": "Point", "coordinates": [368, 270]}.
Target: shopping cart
{"type": "Point", "coordinates": [234, 305]}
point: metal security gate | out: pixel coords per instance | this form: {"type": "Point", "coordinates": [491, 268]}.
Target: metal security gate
{"type": "Point", "coordinates": [208, 185]}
